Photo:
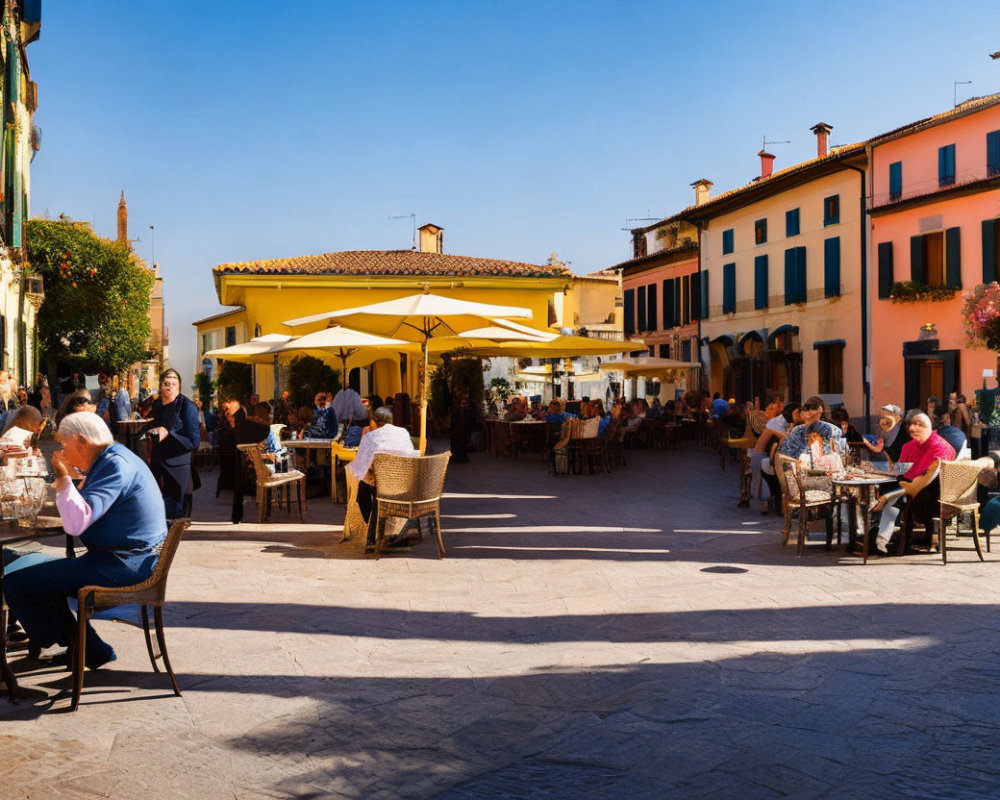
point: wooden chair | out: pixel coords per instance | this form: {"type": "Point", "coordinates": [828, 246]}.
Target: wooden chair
{"type": "Point", "coordinates": [268, 482]}
{"type": "Point", "coordinates": [959, 481]}
{"type": "Point", "coordinates": [150, 593]}
{"type": "Point", "coordinates": [798, 499]}
{"type": "Point", "coordinates": [409, 488]}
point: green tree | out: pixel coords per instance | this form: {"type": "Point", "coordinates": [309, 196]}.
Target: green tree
{"type": "Point", "coordinates": [205, 387]}
{"type": "Point", "coordinates": [308, 375]}
{"type": "Point", "coordinates": [95, 317]}
{"type": "Point", "coordinates": [235, 380]}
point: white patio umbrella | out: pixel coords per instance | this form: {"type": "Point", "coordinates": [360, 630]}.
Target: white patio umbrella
{"type": "Point", "coordinates": [259, 350]}
{"type": "Point", "coordinates": [419, 318]}
{"type": "Point", "coordinates": [346, 344]}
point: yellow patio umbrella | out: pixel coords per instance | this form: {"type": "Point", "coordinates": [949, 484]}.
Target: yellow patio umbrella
{"type": "Point", "coordinates": [646, 366]}
{"type": "Point", "coordinates": [420, 318]}
{"type": "Point", "coordinates": [346, 344]}
{"type": "Point", "coordinates": [559, 347]}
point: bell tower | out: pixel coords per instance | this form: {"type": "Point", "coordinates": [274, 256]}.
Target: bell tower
{"type": "Point", "coordinates": [123, 222]}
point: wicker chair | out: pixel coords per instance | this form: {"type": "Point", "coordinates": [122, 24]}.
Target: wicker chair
{"type": "Point", "coordinates": [150, 593]}
{"type": "Point", "coordinates": [756, 423]}
{"type": "Point", "coordinates": [959, 482]}
{"type": "Point", "coordinates": [409, 488]}
{"type": "Point", "coordinates": [802, 500]}
{"type": "Point", "coordinates": [268, 481]}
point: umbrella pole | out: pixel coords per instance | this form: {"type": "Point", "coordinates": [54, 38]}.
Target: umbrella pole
{"type": "Point", "coordinates": [423, 401]}
{"type": "Point", "coordinates": [277, 394]}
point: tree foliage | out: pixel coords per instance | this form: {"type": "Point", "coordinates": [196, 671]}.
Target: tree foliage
{"type": "Point", "coordinates": [235, 380]}
{"type": "Point", "coordinates": [95, 317]}
{"type": "Point", "coordinates": [307, 376]}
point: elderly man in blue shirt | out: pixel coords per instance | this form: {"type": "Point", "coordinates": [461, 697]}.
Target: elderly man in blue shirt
{"type": "Point", "coordinates": [119, 518]}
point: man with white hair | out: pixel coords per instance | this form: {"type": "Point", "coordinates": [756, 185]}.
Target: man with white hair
{"type": "Point", "coordinates": [119, 518]}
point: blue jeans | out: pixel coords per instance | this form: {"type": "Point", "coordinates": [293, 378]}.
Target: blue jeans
{"type": "Point", "coordinates": [36, 594]}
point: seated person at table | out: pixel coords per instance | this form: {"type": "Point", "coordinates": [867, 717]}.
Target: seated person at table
{"type": "Point", "coordinates": [348, 406]}
{"type": "Point", "coordinates": [23, 425]}
{"type": "Point", "coordinates": [894, 434]}
{"type": "Point", "coordinates": [386, 438]}
{"type": "Point", "coordinates": [775, 406]}
{"type": "Point", "coordinates": [556, 414]}
{"type": "Point", "coordinates": [597, 410]}
{"type": "Point", "coordinates": [761, 467]}
{"type": "Point", "coordinates": [841, 417]}
{"type": "Point", "coordinates": [118, 515]}
{"type": "Point", "coordinates": [324, 424]}
{"type": "Point", "coordinates": [797, 441]}
{"type": "Point", "coordinates": [921, 488]}
{"type": "Point", "coordinates": [950, 433]}
{"type": "Point", "coordinates": [517, 409]}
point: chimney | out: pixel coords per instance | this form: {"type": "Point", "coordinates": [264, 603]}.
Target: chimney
{"type": "Point", "coordinates": [431, 238]}
{"type": "Point", "coordinates": [701, 191]}
{"type": "Point", "coordinates": [122, 221]}
{"type": "Point", "coordinates": [766, 163]}
{"type": "Point", "coordinates": [822, 131]}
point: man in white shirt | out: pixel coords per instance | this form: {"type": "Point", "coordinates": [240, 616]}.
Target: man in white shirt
{"type": "Point", "coordinates": [386, 438]}
{"type": "Point", "coordinates": [348, 405]}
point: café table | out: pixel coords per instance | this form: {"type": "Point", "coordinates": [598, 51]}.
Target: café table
{"type": "Point", "coordinates": [530, 432]}
{"type": "Point", "coordinates": [864, 485]}
{"type": "Point", "coordinates": [12, 533]}
{"type": "Point", "coordinates": [310, 452]}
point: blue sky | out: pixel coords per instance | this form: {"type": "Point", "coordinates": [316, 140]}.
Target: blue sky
{"type": "Point", "coordinates": [251, 130]}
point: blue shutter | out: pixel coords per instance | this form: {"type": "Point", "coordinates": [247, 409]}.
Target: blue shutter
{"type": "Point", "coordinates": [640, 309]}
{"type": "Point", "coordinates": [993, 153]}
{"type": "Point", "coordinates": [831, 210]}
{"type": "Point", "coordinates": [953, 258]}
{"type": "Point", "coordinates": [790, 274]}
{"type": "Point", "coordinates": [800, 267]}
{"type": "Point", "coordinates": [629, 312]}
{"type": "Point", "coordinates": [792, 222]}
{"type": "Point", "coordinates": [831, 267]}
{"type": "Point", "coordinates": [885, 279]}
{"type": "Point", "coordinates": [651, 307]}
{"type": "Point", "coordinates": [946, 165]}
{"type": "Point", "coordinates": [760, 288]}
{"type": "Point", "coordinates": [704, 294]}
{"type": "Point", "coordinates": [918, 269]}
{"type": "Point", "coordinates": [728, 288]}
{"type": "Point", "coordinates": [727, 241]}
{"type": "Point", "coordinates": [989, 251]}
{"type": "Point", "coordinates": [896, 180]}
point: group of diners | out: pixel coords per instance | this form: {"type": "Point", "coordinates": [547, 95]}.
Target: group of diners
{"type": "Point", "coordinates": [921, 438]}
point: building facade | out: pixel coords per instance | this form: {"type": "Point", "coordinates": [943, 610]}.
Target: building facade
{"type": "Point", "coordinates": [935, 217]}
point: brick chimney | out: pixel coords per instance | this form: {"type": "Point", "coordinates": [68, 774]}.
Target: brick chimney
{"type": "Point", "coordinates": [431, 238]}
{"type": "Point", "coordinates": [822, 131]}
{"type": "Point", "coordinates": [766, 163]}
{"type": "Point", "coordinates": [702, 190]}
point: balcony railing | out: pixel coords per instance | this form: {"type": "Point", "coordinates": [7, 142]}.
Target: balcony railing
{"type": "Point", "coordinates": [933, 185]}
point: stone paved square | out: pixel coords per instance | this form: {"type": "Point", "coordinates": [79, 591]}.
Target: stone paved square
{"type": "Point", "coordinates": [577, 641]}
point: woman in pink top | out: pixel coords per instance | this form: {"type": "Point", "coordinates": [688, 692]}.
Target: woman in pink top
{"type": "Point", "coordinates": [924, 450]}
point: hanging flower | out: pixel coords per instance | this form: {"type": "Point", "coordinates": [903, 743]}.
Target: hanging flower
{"type": "Point", "coordinates": [981, 316]}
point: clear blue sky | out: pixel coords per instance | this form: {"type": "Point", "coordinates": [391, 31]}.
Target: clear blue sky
{"type": "Point", "coordinates": [251, 130]}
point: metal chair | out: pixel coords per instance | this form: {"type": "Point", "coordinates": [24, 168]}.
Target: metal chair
{"type": "Point", "coordinates": [410, 488]}
{"type": "Point", "coordinates": [150, 593]}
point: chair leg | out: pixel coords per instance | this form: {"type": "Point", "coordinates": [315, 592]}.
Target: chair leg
{"type": "Point", "coordinates": [261, 500]}
{"type": "Point", "coordinates": [803, 526]}
{"type": "Point", "coordinates": [379, 532]}
{"type": "Point", "coordinates": [943, 538]}
{"type": "Point", "coordinates": [437, 534]}
{"type": "Point", "coordinates": [149, 639]}
{"type": "Point", "coordinates": [300, 493]}
{"type": "Point", "coordinates": [158, 617]}
{"type": "Point", "coordinates": [78, 655]}
{"type": "Point", "coordinates": [975, 534]}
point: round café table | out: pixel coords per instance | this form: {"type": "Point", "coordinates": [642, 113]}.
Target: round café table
{"type": "Point", "coordinates": [864, 485]}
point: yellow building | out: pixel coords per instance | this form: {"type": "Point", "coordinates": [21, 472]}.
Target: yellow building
{"type": "Point", "coordinates": [268, 292]}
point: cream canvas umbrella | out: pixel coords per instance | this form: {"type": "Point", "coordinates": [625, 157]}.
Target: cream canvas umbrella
{"type": "Point", "coordinates": [419, 318]}
{"type": "Point", "coordinates": [259, 350]}
{"type": "Point", "coordinates": [346, 344]}
{"type": "Point", "coordinates": [559, 347]}
{"type": "Point", "coordinates": [646, 366]}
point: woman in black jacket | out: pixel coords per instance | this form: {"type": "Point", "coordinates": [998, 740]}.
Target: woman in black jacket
{"type": "Point", "coordinates": [174, 433]}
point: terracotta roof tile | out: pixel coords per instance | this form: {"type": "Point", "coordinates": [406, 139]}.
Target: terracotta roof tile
{"type": "Point", "coordinates": [220, 315]}
{"type": "Point", "coordinates": [393, 262]}
{"type": "Point", "coordinates": [969, 106]}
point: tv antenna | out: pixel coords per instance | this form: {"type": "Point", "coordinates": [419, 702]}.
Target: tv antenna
{"type": "Point", "coordinates": [413, 219]}
{"type": "Point", "coordinates": [764, 142]}
{"type": "Point", "coordinates": [954, 86]}
{"type": "Point", "coordinates": [630, 220]}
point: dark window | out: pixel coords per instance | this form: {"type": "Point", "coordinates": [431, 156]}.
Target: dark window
{"type": "Point", "coordinates": [640, 309]}
{"type": "Point", "coordinates": [991, 253]}
{"type": "Point", "coordinates": [795, 275]}
{"type": "Point", "coordinates": [230, 336]}
{"type": "Point", "coordinates": [831, 267]}
{"type": "Point", "coordinates": [760, 231]}
{"type": "Point", "coordinates": [686, 350]}
{"type": "Point", "coordinates": [831, 209]}
{"type": "Point", "coordinates": [792, 222]}
{"type": "Point", "coordinates": [936, 258]}
{"type": "Point", "coordinates": [664, 351]}
{"type": "Point", "coordinates": [993, 153]}
{"type": "Point", "coordinates": [628, 310]}
{"type": "Point", "coordinates": [727, 241]}
{"type": "Point", "coordinates": [684, 295]}
{"type": "Point", "coordinates": [895, 180]}
{"type": "Point", "coordinates": [760, 288]}
{"type": "Point", "coordinates": [651, 306]}
{"type": "Point", "coordinates": [946, 165]}
{"type": "Point", "coordinates": [669, 310]}
{"type": "Point", "coordinates": [703, 295]}
{"type": "Point", "coordinates": [728, 288]}
{"type": "Point", "coordinates": [885, 279]}
{"type": "Point", "coordinates": [831, 368]}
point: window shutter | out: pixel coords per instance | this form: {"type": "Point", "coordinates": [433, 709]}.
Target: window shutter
{"type": "Point", "coordinates": [993, 153]}
{"type": "Point", "coordinates": [704, 294]}
{"type": "Point", "coordinates": [885, 280]}
{"type": "Point", "coordinates": [800, 268]}
{"type": "Point", "coordinates": [682, 294]}
{"type": "Point", "coordinates": [696, 296]}
{"type": "Point", "coordinates": [953, 258]}
{"type": "Point", "coordinates": [727, 241]}
{"type": "Point", "coordinates": [640, 309]}
{"type": "Point", "coordinates": [946, 165]}
{"type": "Point", "coordinates": [895, 180]}
{"type": "Point", "coordinates": [651, 307]}
{"type": "Point", "coordinates": [668, 304]}
{"type": "Point", "coordinates": [790, 274]}
{"type": "Point", "coordinates": [728, 288]}
{"type": "Point", "coordinates": [629, 312]}
{"type": "Point", "coordinates": [918, 269]}
{"type": "Point", "coordinates": [792, 222]}
{"type": "Point", "coordinates": [760, 282]}
{"type": "Point", "coordinates": [831, 267]}
{"type": "Point", "coordinates": [989, 250]}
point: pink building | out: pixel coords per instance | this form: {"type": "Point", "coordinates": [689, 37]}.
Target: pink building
{"type": "Point", "coordinates": [935, 221]}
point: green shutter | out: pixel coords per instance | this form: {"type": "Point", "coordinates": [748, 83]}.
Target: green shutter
{"type": "Point", "coordinates": [760, 288]}
{"type": "Point", "coordinates": [800, 268]}
{"type": "Point", "coordinates": [993, 153]}
{"type": "Point", "coordinates": [683, 295]}
{"type": "Point", "coordinates": [989, 251]}
{"type": "Point", "coordinates": [895, 180]}
{"type": "Point", "coordinates": [791, 293]}
{"type": "Point", "coordinates": [918, 269]}
{"type": "Point", "coordinates": [831, 267]}
{"type": "Point", "coordinates": [953, 258]}
{"type": "Point", "coordinates": [885, 279]}
{"type": "Point", "coordinates": [704, 294]}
